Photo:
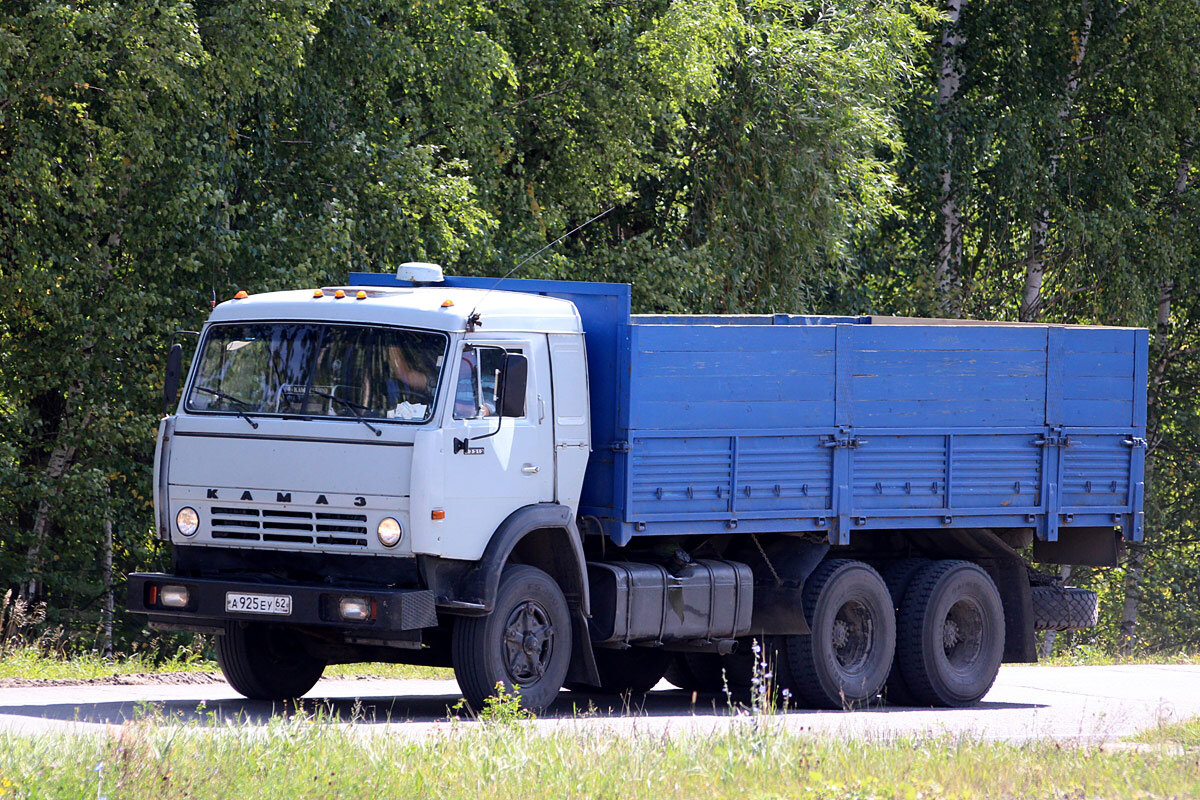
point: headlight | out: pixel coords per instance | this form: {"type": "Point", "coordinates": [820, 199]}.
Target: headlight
{"type": "Point", "coordinates": [187, 521]}
{"type": "Point", "coordinates": [389, 532]}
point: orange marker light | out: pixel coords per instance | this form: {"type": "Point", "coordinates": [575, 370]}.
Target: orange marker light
{"type": "Point", "coordinates": [437, 514]}
{"type": "Point", "coordinates": [318, 293]}
{"type": "Point", "coordinates": [361, 295]}
{"type": "Point", "coordinates": [241, 295]}
{"type": "Point", "coordinates": [339, 294]}
{"type": "Point", "coordinates": [447, 303]}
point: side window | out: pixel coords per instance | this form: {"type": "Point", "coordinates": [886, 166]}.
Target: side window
{"type": "Point", "coordinates": [477, 392]}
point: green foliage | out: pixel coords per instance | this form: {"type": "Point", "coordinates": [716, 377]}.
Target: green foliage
{"type": "Point", "coordinates": [758, 155]}
{"type": "Point", "coordinates": [502, 709]}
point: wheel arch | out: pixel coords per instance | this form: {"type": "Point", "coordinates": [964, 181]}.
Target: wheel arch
{"type": "Point", "coordinates": [542, 535]}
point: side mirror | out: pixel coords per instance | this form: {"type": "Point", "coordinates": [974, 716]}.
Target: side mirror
{"type": "Point", "coordinates": [171, 383]}
{"type": "Point", "coordinates": [513, 384]}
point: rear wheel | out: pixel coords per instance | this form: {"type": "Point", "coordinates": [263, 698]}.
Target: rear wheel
{"type": "Point", "coordinates": [711, 673]}
{"type": "Point", "coordinates": [680, 674]}
{"type": "Point", "coordinates": [635, 670]}
{"type": "Point", "coordinates": [266, 663]}
{"type": "Point", "coordinates": [845, 660]}
{"type": "Point", "coordinates": [950, 634]}
{"type": "Point", "coordinates": [524, 644]}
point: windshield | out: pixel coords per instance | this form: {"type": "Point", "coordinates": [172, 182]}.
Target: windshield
{"type": "Point", "coordinates": [315, 370]}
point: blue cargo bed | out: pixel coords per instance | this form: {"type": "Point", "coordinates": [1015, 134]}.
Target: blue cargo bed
{"type": "Point", "coordinates": [706, 425]}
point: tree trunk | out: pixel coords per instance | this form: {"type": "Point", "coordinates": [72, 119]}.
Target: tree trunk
{"type": "Point", "coordinates": [1135, 564]}
{"type": "Point", "coordinates": [56, 465]}
{"type": "Point", "coordinates": [107, 643]}
{"type": "Point", "coordinates": [64, 451]}
{"type": "Point", "coordinates": [1039, 229]}
{"type": "Point", "coordinates": [948, 269]}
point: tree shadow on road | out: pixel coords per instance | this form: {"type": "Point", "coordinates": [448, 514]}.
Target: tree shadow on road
{"type": "Point", "coordinates": [421, 708]}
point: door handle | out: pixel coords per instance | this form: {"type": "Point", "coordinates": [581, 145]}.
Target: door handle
{"type": "Point", "coordinates": [530, 469]}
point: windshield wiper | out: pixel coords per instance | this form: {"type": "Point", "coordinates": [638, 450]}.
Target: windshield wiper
{"type": "Point", "coordinates": [232, 399]}
{"type": "Point", "coordinates": [348, 404]}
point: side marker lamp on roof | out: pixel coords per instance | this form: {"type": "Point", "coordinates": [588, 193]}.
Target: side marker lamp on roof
{"type": "Point", "coordinates": [318, 293]}
{"type": "Point", "coordinates": [447, 303]}
{"type": "Point", "coordinates": [339, 294]}
{"type": "Point", "coordinates": [242, 295]}
{"type": "Point", "coordinates": [361, 295]}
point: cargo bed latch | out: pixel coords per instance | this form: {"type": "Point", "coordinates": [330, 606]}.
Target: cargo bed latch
{"type": "Point", "coordinates": [843, 439]}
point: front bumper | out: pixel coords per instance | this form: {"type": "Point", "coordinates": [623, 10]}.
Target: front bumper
{"type": "Point", "coordinates": [396, 611]}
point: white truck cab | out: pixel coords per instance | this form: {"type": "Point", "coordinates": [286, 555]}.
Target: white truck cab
{"type": "Point", "coordinates": [303, 426]}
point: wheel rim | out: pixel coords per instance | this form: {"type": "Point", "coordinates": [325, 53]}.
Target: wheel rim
{"type": "Point", "coordinates": [963, 634]}
{"type": "Point", "coordinates": [852, 635]}
{"type": "Point", "coordinates": [528, 642]}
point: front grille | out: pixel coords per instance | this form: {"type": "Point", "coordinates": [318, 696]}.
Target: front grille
{"type": "Point", "coordinates": [291, 527]}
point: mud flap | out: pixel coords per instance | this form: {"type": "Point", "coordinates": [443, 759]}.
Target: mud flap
{"type": "Point", "coordinates": [583, 668]}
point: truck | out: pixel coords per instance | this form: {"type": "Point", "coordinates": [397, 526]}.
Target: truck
{"type": "Point", "coordinates": [526, 482]}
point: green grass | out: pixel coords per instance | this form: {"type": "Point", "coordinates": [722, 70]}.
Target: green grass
{"type": "Point", "coordinates": [406, 671]}
{"type": "Point", "coordinates": [30, 662]}
{"type": "Point", "coordinates": [303, 758]}
{"type": "Point", "coordinates": [1088, 656]}
{"type": "Point", "coordinates": [1185, 734]}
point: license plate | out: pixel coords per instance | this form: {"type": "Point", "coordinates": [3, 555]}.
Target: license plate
{"type": "Point", "coordinates": [258, 603]}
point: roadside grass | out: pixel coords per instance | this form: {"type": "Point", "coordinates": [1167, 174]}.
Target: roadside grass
{"type": "Point", "coordinates": [34, 663]}
{"type": "Point", "coordinates": [303, 757]}
{"type": "Point", "coordinates": [1184, 734]}
{"type": "Point", "coordinates": [1088, 656]}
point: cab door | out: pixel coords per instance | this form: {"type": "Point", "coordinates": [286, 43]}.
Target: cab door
{"type": "Point", "coordinates": [493, 465]}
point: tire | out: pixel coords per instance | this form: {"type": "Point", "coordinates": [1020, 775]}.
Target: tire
{"type": "Point", "coordinates": [524, 644]}
{"type": "Point", "coordinates": [845, 661]}
{"type": "Point", "coordinates": [704, 672]}
{"type": "Point", "coordinates": [266, 663]}
{"type": "Point", "coordinates": [680, 674]}
{"type": "Point", "coordinates": [1064, 608]}
{"type": "Point", "coordinates": [950, 634]}
{"type": "Point", "coordinates": [634, 671]}
{"type": "Point", "coordinates": [897, 576]}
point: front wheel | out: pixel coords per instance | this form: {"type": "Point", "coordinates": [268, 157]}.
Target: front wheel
{"type": "Point", "coordinates": [266, 663]}
{"type": "Point", "coordinates": [524, 644]}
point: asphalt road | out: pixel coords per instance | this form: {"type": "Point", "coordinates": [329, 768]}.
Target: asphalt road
{"type": "Point", "coordinates": [1064, 703]}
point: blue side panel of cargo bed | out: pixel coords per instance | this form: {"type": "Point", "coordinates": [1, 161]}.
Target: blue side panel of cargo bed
{"type": "Point", "coordinates": [840, 425]}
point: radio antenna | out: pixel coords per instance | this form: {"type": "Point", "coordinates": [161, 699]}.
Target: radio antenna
{"type": "Point", "coordinates": [473, 317]}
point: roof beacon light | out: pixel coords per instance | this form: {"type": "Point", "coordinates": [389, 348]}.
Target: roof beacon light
{"type": "Point", "coordinates": [339, 294]}
{"type": "Point", "coordinates": [318, 293]}
{"type": "Point", "coordinates": [420, 272]}
{"type": "Point", "coordinates": [242, 295]}
{"type": "Point", "coordinates": [361, 295]}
